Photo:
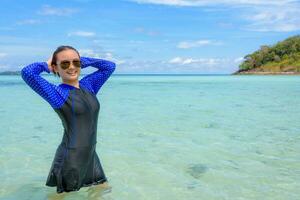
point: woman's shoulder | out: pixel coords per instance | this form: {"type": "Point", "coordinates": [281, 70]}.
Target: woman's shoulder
{"type": "Point", "coordinates": [58, 96]}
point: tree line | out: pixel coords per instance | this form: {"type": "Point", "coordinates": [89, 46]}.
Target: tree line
{"type": "Point", "coordinates": [284, 53]}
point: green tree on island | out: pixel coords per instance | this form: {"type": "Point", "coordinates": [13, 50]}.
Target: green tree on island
{"type": "Point", "coordinates": [281, 57]}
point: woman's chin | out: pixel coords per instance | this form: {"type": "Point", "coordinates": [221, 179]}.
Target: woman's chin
{"type": "Point", "coordinates": [71, 77]}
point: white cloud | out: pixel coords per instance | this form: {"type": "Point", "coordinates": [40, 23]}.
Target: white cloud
{"type": "Point", "coordinates": [4, 67]}
{"type": "Point", "coordinates": [274, 19]}
{"type": "Point", "coordinates": [187, 61]}
{"type": "Point", "coordinates": [214, 2]}
{"type": "Point", "coordinates": [49, 10]}
{"type": "Point", "coordinates": [147, 32]}
{"type": "Point", "coordinates": [137, 41]}
{"type": "Point", "coordinates": [201, 65]}
{"type": "Point", "coordinates": [198, 43]}
{"type": "Point", "coordinates": [179, 65]}
{"type": "Point", "coordinates": [29, 21]}
{"type": "Point", "coordinates": [238, 60]}
{"type": "Point", "coordinates": [260, 15]}
{"type": "Point", "coordinates": [109, 56]}
{"type": "Point", "coordinates": [82, 34]}
{"type": "Point", "coordinates": [94, 54]}
{"type": "Point", "coordinates": [176, 60]}
{"type": "Point", "coordinates": [2, 55]}
{"type": "Point", "coordinates": [89, 53]}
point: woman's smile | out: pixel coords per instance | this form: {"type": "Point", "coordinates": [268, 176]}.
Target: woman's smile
{"type": "Point", "coordinates": [73, 73]}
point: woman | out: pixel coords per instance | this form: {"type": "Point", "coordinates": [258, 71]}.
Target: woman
{"type": "Point", "coordinates": [76, 163]}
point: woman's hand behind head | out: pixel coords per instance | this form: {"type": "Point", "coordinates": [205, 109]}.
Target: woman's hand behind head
{"type": "Point", "coordinates": [50, 67]}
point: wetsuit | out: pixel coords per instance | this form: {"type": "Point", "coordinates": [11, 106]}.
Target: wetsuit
{"type": "Point", "coordinates": [76, 163]}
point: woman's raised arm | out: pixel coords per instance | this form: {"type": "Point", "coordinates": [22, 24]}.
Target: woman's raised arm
{"type": "Point", "coordinates": [47, 90]}
{"type": "Point", "coordinates": [95, 80]}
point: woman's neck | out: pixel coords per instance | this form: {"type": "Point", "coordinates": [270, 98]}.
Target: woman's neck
{"type": "Point", "coordinates": [73, 83]}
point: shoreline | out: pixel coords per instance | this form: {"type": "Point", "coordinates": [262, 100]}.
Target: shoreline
{"type": "Point", "coordinates": [265, 73]}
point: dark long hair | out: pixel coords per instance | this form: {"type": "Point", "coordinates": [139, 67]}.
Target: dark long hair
{"type": "Point", "coordinates": [59, 49]}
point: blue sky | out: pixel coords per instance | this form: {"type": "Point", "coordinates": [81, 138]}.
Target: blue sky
{"type": "Point", "coordinates": [146, 36]}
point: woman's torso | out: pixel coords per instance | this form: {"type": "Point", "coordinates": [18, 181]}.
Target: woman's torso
{"type": "Point", "coordinates": [79, 116]}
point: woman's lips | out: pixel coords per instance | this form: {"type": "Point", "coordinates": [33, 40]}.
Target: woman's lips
{"type": "Point", "coordinates": [72, 73]}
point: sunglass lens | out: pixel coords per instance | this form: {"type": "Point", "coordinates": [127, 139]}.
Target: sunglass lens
{"type": "Point", "coordinates": [77, 63]}
{"type": "Point", "coordinates": [65, 64]}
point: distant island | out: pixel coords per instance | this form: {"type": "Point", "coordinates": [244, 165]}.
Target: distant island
{"type": "Point", "coordinates": [281, 58]}
{"type": "Point", "coordinates": [10, 73]}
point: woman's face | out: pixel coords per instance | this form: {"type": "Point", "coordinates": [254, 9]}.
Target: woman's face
{"type": "Point", "coordinates": [72, 73]}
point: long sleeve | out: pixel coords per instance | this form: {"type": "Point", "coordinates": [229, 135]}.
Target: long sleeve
{"type": "Point", "coordinates": [95, 80]}
{"type": "Point", "coordinates": [47, 90]}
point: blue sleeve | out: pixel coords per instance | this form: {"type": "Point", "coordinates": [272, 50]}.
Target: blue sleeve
{"type": "Point", "coordinates": [95, 80]}
{"type": "Point", "coordinates": [49, 91]}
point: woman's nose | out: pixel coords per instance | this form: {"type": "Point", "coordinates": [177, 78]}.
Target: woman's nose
{"type": "Point", "coordinates": [72, 65]}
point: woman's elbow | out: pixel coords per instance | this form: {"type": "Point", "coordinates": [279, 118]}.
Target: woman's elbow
{"type": "Point", "coordinates": [113, 66]}
{"type": "Point", "coordinates": [25, 73]}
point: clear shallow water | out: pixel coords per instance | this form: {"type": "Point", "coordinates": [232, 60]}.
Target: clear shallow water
{"type": "Point", "coordinates": [165, 137]}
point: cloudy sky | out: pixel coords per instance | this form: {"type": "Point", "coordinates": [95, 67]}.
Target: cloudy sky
{"type": "Point", "coordinates": [145, 36]}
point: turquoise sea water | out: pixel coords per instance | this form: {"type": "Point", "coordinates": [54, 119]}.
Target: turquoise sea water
{"type": "Point", "coordinates": [164, 137]}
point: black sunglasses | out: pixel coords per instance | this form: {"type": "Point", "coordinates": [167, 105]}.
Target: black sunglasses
{"type": "Point", "coordinates": [65, 64]}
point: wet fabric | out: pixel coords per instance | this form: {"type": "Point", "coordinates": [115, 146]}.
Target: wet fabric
{"type": "Point", "coordinates": [75, 163]}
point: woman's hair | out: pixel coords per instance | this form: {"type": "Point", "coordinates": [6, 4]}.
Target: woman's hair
{"type": "Point", "coordinates": [59, 49]}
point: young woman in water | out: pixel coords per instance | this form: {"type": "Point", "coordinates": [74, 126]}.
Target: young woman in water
{"type": "Point", "coordinates": [76, 163]}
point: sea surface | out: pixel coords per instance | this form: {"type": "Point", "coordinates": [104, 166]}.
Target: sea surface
{"type": "Point", "coordinates": [210, 137]}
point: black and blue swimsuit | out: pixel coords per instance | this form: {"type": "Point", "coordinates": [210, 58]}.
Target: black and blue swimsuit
{"type": "Point", "coordinates": [76, 163]}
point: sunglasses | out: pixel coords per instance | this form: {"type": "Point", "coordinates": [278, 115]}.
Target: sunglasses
{"type": "Point", "coordinates": [65, 64]}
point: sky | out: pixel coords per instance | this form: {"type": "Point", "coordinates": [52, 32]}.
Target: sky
{"type": "Point", "coordinates": [146, 36]}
